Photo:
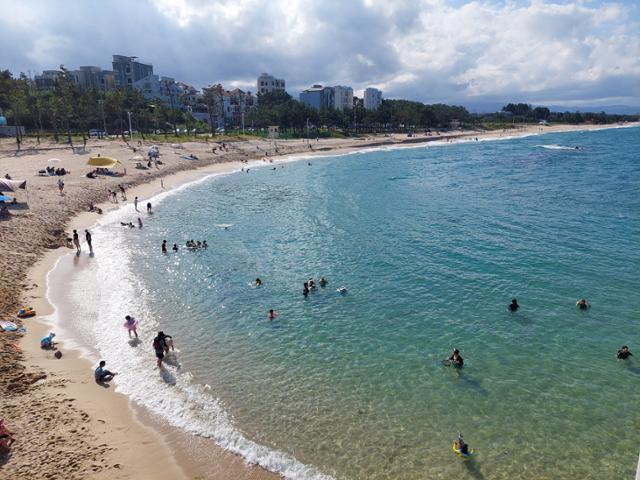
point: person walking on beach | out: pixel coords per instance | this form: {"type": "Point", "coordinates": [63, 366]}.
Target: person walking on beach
{"type": "Point", "coordinates": [135, 203]}
{"type": "Point", "coordinates": [149, 208]}
{"type": "Point", "coordinates": [76, 241]}
{"type": "Point", "coordinates": [164, 246]}
{"type": "Point", "coordinates": [161, 344]}
{"type": "Point", "coordinates": [122, 192]}
{"type": "Point", "coordinates": [60, 186]}
{"type": "Point", "coordinates": [87, 235]}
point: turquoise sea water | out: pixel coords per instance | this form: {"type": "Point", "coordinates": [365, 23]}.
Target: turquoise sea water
{"type": "Point", "coordinates": [432, 244]}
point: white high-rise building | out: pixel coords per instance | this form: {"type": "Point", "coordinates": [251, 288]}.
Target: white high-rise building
{"type": "Point", "coordinates": [372, 98]}
{"type": "Point", "coordinates": [268, 83]}
{"type": "Point", "coordinates": [342, 97]}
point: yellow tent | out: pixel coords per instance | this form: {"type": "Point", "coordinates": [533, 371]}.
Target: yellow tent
{"type": "Point", "coordinates": [104, 162]}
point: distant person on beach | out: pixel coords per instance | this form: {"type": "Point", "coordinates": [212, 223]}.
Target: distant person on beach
{"type": "Point", "coordinates": [76, 241]}
{"type": "Point", "coordinates": [164, 246]}
{"type": "Point", "coordinates": [582, 304]}
{"type": "Point", "coordinates": [175, 247]}
{"type": "Point", "coordinates": [149, 208]}
{"type": "Point", "coordinates": [87, 235]}
{"type": "Point", "coordinates": [135, 203]}
{"type": "Point", "coordinates": [131, 324]}
{"type": "Point", "coordinates": [513, 306]}
{"type": "Point", "coordinates": [60, 185]}
{"type": "Point", "coordinates": [456, 359]}
{"type": "Point", "coordinates": [122, 192]}
{"type": "Point", "coordinates": [47, 342]}
{"type": "Point", "coordinates": [624, 353]}
{"type": "Point", "coordinates": [272, 314]}
{"type": "Point", "coordinates": [305, 289]}
{"type": "Point", "coordinates": [102, 374]}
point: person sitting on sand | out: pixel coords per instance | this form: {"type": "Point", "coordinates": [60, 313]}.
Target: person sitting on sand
{"type": "Point", "coordinates": [456, 359]}
{"type": "Point", "coordinates": [461, 445]}
{"type": "Point", "coordinates": [6, 437]}
{"type": "Point", "coordinates": [131, 324]}
{"type": "Point", "coordinates": [513, 306]}
{"type": "Point", "coordinates": [102, 374]}
{"type": "Point", "coordinates": [582, 304]}
{"type": "Point", "coordinates": [272, 314]}
{"type": "Point", "coordinates": [624, 353]}
{"type": "Point", "coordinates": [323, 282]}
{"type": "Point", "coordinates": [47, 342]}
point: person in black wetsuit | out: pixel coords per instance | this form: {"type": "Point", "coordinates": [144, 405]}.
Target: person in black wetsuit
{"type": "Point", "coordinates": [456, 359]}
{"type": "Point", "coordinates": [513, 306]}
{"type": "Point", "coordinates": [624, 353]}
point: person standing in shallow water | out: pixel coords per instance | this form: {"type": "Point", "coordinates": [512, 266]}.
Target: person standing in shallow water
{"type": "Point", "coordinates": [76, 241]}
{"type": "Point", "coordinates": [149, 208]}
{"type": "Point", "coordinates": [87, 235]}
{"type": "Point", "coordinates": [513, 306]}
{"type": "Point", "coordinates": [164, 246]}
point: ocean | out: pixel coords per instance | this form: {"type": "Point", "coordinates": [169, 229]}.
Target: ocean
{"type": "Point", "coordinates": [432, 243]}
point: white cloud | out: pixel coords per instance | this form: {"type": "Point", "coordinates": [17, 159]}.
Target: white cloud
{"type": "Point", "coordinates": [430, 50]}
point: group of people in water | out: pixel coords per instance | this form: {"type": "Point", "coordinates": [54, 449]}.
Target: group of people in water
{"type": "Point", "coordinates": [310, 285]}
{"type": "Point", "coordinates": [191, 245]}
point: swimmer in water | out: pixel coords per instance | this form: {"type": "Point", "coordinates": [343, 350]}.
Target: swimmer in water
{"type": "Point", "coordinates": [456, 359]}
{"type": "Point", "coordinates": [624, 353]}
{"type": "Point", "coordinates": [272, 314]}
{"type": "Point", "coordinates": [305, 289]}
{"type": "Point", "coordinates": [258, 282]}
{"type": "Point", "coordinates": [312, 283]}
{"type": "Point", "coordinates": [342, 290]}
{"type": "Point", "coordinates": [461, 446]}
{"type": "Point", "coordinates": [582, 304]}
{"type": "Point", "coordinates": [175, 247]}
{"type": "Point", "coordinates": [323, 282]}
{"type": "Point", "coordinates": [513, 306]}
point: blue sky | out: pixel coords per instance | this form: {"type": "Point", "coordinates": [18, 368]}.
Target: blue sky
{"type": "Point", "coordinates": [473, 53]}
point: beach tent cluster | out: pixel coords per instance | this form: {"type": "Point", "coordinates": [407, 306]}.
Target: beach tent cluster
{"type": "Point", "coordinates": [10, 186]}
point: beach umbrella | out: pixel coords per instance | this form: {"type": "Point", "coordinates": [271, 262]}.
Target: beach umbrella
{"type": "Point", "coordinates": [53, 160]}
{"type": "Point", "coordinates": [104, 162]}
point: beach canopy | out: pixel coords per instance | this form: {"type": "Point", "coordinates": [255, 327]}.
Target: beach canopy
{"type": "Point", "coordinates": [12, 185]}
{"type": "Point", "coordinates": [103, 162]}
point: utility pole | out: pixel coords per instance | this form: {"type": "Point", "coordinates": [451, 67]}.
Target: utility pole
{"type": "Point", "coordinates": [130, 131]}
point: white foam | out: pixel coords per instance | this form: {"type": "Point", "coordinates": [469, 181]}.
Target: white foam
{"type": "Point", "coordinates": [557, 147]}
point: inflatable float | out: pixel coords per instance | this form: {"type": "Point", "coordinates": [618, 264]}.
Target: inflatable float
{"type": "Point", "coordinates": [26, 312]}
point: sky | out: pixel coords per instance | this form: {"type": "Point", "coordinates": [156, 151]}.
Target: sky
{"type": "Point", "coordinates": [479, 53]}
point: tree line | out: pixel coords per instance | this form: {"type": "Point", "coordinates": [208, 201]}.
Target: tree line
{"type": "Point", "coordinates": [66, 110]}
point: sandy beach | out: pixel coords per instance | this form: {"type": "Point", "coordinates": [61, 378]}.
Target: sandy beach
{"type": "Point", "coordinates": [67, 426]}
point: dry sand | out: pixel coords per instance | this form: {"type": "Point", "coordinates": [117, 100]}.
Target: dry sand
{"type": "Point", "coordinates": [66, 426]}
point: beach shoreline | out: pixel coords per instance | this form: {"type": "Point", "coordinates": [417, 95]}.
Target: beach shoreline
{"type": "Point", "coordinates": [105, 415]}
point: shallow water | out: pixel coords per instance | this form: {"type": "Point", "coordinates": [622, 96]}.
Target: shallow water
{"type": "Point", "coordinates": [432, 244]}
